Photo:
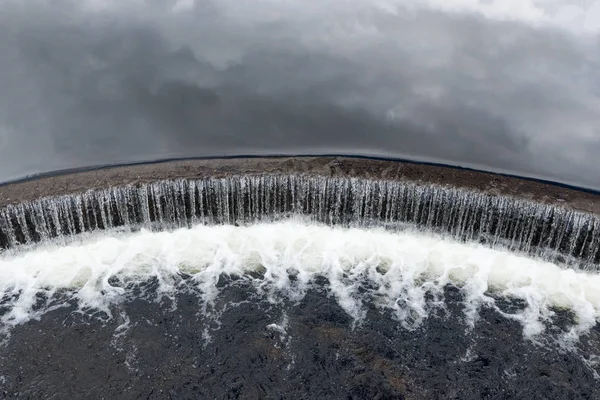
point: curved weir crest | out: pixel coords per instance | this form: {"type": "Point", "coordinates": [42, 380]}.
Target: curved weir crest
{"type": "Point", "coordinates": [552, 233]}
{"type": "Point", "coordinates": [396, 243]}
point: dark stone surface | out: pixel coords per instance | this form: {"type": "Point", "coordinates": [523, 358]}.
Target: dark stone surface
{"type": "Point", "coordinates": [341, 166]}
{"type": "Point", "coordinates": [164, 355]}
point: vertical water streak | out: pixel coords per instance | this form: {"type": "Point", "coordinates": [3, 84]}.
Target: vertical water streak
{"type": "Point", "coordinates": [551, 232]}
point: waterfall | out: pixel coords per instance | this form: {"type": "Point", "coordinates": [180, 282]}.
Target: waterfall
{"type": "Point", "coordinates": [550, 232]}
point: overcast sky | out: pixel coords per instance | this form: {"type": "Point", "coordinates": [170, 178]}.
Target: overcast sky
{"type": "Point", "coordinates": [511, 85]}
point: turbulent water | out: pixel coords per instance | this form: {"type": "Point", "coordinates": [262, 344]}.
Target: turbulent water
{"type": "Point", "coordinates": [550, 232]}
{"type": "Point", "coordinates": [49, 249]}
{"type": "Point", "coordinates": [405, 272]}
{"type": "Point", "coordinates": [391, 289]}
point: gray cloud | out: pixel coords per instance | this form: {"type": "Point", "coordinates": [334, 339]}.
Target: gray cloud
{"type": "Point", "coordinates": [83, 88]}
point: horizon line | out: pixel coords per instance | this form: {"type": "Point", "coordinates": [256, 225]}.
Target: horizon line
{"type": "Point", "coordinates": [68, 171]}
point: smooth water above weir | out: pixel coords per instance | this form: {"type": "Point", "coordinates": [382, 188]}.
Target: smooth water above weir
{"type": "Point", "coordinates": [552, 233]}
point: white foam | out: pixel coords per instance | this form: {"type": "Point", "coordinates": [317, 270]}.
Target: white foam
{"type": "Point", "coordinates": [400, 266]}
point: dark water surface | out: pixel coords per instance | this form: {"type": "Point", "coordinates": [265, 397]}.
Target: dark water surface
{"type": "Point", "coordinates": [232, 350]}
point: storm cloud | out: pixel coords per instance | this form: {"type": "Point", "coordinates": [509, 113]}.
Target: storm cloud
{"type": "Point", "coordinates": [86, 84]}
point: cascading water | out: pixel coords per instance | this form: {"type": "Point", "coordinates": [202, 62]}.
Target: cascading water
{"type": "Point", "coordinates": [552, 233]}
{"type": "Point", "coordinates": [262, 272]}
